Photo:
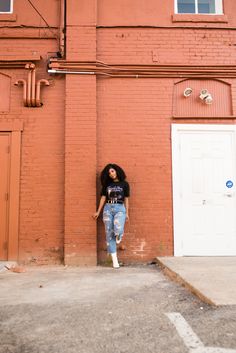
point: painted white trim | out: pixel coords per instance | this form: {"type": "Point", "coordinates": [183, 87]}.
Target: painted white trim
{"type": "Point", "coordinates": [175, 133]}
{"type": "Point", "coordinates": [218, 8]}
{"type": "Point", "coordinates": [175, 6]}
{"type": "Point", "coordinates": [11, 9]}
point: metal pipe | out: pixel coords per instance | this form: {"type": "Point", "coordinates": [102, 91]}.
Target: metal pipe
{"type": "Point", "coordinates": [30, 67]}
{"type": "Point", "coordinates": [23, 82]}
{"type": "Point", "coordinates": [147, 70]}
{"type": "Point", "coordinates": [29, 89]}
{"type": "Point", "coordinates": [33, 101]}
{"type": "Point", "coordinates": [158, 74]}
{"type": "Point", "coordinates": [60, 62]}
{"type": "Point", "coordinates": [62, 28]}
{"type": "Point", "coordinates": [53, 71]}
{"type": "Point", "coordinates": [99, 68]}
{"type": "Point", "coordinates": [42, 81]}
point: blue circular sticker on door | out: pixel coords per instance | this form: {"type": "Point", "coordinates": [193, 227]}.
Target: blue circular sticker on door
{"type": "Point", "coordinates": [229, 184]}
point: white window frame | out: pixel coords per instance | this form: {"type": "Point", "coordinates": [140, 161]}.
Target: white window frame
{"type": "Point", "coordinates": [11, 8]}
{"type": "Point", "coordinates": [218, 9]}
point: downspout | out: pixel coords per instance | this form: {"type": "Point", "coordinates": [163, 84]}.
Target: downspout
{"type": "Point", "coordinates": [29, 89]}
{"type": "Point", "coordinates": [62, 28]}
{"type": "Point", "coordinates": [33, 88]}
{"type": "Point", "coordinates": [64, 25]}
{"type": "Point", "coordinates": [23, 82]}
{"type": "Point", "coordinates": [45, 82]}
{"type": "Point", "coordinates": [31, 76]}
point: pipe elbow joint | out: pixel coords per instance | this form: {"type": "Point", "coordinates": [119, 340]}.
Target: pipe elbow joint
{"type": "Point", "coordinates": [38, 88]}
{"type": "Point", "coordinates": [24, 84]}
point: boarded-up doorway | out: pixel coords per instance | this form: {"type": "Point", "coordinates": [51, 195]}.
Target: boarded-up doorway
{"type": "Point", "coordinates": [10, 144]}
{"type": "Point", "coordinates": [4, 193]}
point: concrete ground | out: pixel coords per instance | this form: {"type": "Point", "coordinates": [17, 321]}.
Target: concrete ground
{"type": "Point", "coordinates": [213, 279]}
{"type": "Point", "coordinates": [135, 309]}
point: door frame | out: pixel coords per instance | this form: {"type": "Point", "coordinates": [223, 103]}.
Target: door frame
{"type": "Point", "coordinates": [15, 128]}
{"type": "Point", "coordinates": [176, 129]}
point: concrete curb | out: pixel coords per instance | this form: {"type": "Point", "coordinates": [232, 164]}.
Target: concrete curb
{"type": "Point", "coordinates": [174, 276]}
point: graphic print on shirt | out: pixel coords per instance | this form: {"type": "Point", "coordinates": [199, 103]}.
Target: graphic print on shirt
{"type": "Point", "coordinates": [115, 193]}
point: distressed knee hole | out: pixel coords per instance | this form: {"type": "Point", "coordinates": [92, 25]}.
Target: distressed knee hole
{"type": "Point", "coordinates": [117, 224]}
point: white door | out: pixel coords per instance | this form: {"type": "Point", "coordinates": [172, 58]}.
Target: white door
{"type": "Point", "coordinates": [204, 189]}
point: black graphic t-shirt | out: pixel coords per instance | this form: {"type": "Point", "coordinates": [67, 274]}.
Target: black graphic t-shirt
{"type": "Point", "coordinates": [116, 191]}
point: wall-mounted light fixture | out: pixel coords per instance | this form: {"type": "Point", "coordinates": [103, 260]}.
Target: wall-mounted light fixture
{"type": "Point", "coordinates": [205, 96]}
{"type": "Point", "coordinates": [187, 92]}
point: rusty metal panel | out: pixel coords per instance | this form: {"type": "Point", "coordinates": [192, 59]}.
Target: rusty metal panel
{"type": "Point", "coordinates": [193, 106]}
{"type": "Point", "coordinates": [4, 193]}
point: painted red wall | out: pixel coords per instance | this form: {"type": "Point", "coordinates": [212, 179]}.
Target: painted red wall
{"type": "Point", "coordinates": [135, 115]}
{"type": "Point", "coordinates": [88, 121]}
{"type": "Point", "coordinates": [41, 213]}
{"type": "Point", "coordinates": [133, 131]}
{"type": "Point", "coordinates": [155, 13]}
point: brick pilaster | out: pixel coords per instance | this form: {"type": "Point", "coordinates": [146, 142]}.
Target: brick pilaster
{"type": "Point", "coordinates": [80, 138]}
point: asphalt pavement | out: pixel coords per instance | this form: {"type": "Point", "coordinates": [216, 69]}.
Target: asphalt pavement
{"type": "Point", "coordinates": [135, 309]}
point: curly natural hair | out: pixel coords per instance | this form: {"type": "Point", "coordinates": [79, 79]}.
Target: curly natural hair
{"type": "Point", "coordinates": [105, 178]}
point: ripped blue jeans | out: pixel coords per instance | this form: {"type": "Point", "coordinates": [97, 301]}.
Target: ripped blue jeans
{"type": "Point", "coordinates": [114, 216]}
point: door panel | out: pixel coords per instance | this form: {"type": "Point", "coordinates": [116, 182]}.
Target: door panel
{"type": "Point", "coordinates": [4, 194]}
{"type": "Point", "coordinates": [206, 220]}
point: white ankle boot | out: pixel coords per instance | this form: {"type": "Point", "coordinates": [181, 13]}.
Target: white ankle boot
{"type": "Point", "coordinates": [115, 260]}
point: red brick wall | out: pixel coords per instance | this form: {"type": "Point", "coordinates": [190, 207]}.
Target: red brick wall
{"type": "Point", "coordinates": [42, 179]}
{"type": "Point", "coordinates": [158, 13]}
{"type": "Point", "coordinates": [80, 141]}
{"type": "Point", "coordinates": [166, 46]}
{"type": "Point", "coordinates": [41, 213]}
{"type": "Point", "coordinates": [134, 131]}
{"type": "Point", "coordinates": [134, 123]}
{"type": "Point", "coordinates": [80, 170]}
{"type": "Point", "coordinates": [42, 171]}
{"type": "Point", "coordinates": [86, 122]}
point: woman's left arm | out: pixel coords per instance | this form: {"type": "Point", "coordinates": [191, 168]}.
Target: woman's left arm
{"type": "Point", "coordinates": [127, 207]}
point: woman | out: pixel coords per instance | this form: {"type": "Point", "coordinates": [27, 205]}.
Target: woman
{"type": "Point", "coordinates": [114, 194]}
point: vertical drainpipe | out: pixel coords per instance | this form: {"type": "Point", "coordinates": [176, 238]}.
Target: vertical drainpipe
{"type": "Point", "coordinates": [62, 28]}
{"type": "Point", "coordinates": [29, 83]}
{"type": "Point", "coordinates": [33, 87]}
{"type": "Point", "coordinates": [65, 24]}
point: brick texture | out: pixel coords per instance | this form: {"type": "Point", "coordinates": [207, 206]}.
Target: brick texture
{"type": "Point", "coordinates": [86, 122]}
{"type": "Point", "coordinates": [41, 210]}
{"type": "Point", "coordinates": [80, 170]}
{"type": "Point", "coordinates": [134, 132]}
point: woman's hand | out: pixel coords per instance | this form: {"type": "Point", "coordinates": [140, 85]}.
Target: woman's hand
{"type": "Point", "coordinates": [127, 217]}
{"type": "Point", "coordinates": [96, 215]}
{"type": "Point", "coordinates": [101, 204]}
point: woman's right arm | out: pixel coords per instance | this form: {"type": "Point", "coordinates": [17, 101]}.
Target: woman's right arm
{"type": "Point", "coordinates": [101, 204]}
